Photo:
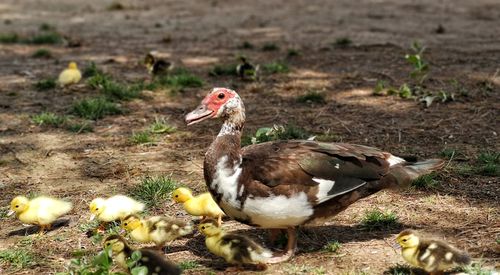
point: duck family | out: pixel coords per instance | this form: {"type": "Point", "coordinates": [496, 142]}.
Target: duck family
{"type": "Point", "coordinates": [276, 185]}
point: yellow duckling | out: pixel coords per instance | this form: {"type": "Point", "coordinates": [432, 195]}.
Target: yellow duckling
{"type": "Point", "coordinates": [201, 205]}
{"type": "Point", "coordinates": [70, 75]}
{"type": "Point", "coordinates": [155, 262]}
{"type": "Point", "coordinates": [42, 211]}
{"type": "Point", "coordinates": [114, 208]}
{"type": "Point", "coordinates": [235, 249]}
{"type": "Point", "coordinates": [155, 229]}
{"type": "Point", "coordinates": [434, 256]}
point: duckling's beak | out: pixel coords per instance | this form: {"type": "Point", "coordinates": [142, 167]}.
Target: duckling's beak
{"type": "Point", "coordinates": [11, 212]}
{"type": "Point", "coordinates": [122, 231]}
{"type": "Point", "coordinates": [172, 203]}
{"type": "Point", "coordinates": [92, 217]}
{"type": "Point", "coordinates": [396, 246]}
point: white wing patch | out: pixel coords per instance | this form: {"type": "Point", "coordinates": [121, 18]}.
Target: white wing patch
{"type": "Point", "coordinates": [393, 160]}
{"type": "Point", "coordinates": [324, 186]}
{"type": "Point", "coordinates": [226, 181]}
{"type": "Point", "coordinates": [448, 256]}
{"type": "Point", "coordinates": [278, 211]}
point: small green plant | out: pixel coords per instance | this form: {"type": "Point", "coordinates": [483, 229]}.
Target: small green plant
{"type": "Point", "coordinates": [312, 97]}
{"type": "Point", "coordinates": [416, 59]}
{"type": "Point", "coordinates": [277, 132]}
{"type": "Point", "coordinates": [276, 67]}
{"type": "Point", "coordinates": [48, 118]}
{"type": "Point", "coordinates": [95, 108]}
{"type": "Point", "coordinates": [270, 47]}
{"type": "Point", "coordinates": [448, 153]}
{"type": "Point", "coordinates": [161, 126]}
{"type": "Point", "coordinates": [427, 181]}
{"type": "Point", "coordinates": [45, 84]}
{"type": "Point", "coordinates": [154, 190]}
{"type": "Point", "coordinates": [332, 246]}
{"type": "Point", "coordinates": [377, 220]}
{"type": "Point", "coordinates": [9, 38]}
{"type": "Point", "coordinates": [141, 138]}
{"type": "Point", "coordinates": [42, 53]}
{"type": "Point", "coordinates": [399, 269]}
{"type": "Point", "coordinates": [328, 136]}
{"type": "Point", "coordinates": [79, 127]}
{"type": "Point", "coordinates": [246, 45]}
{"type": "Point", "coordinates": [489, 163]}
{"type": "Point", "coordinates": [343, 42]}
{"type": "Point", "coordinates": [405, 91]}
{"type": "Point", "coordinates": [477, 268]}
{"type": "Point", "coordinates": [186, 265]}
{"type": "Point", "coordinates": [17, 257]}
{"type": "Point", "coordinates": [177, 82]}
{"type": "Point", "coordinates": [292, 53]}
{"type": "Point", "coordinates": [47, 27]}
{"type": "Point", "coordinates": [91, 70]}
{"type": "Point", "coordinates": [111, 88]}
{"type": "Point", "coordinates": [220, 70]}
{"type": "Point", "coordinates": [380, 88]}
{"type": "Point", "coordinates": [45, 38]}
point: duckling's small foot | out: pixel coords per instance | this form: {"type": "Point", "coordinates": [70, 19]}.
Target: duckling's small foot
{"type": "Point", "coordinates": [260, 267]}
{"type": "Point", "coordinates": [219, 220]}
{"type": "Point", "coordinates": [42, 230]}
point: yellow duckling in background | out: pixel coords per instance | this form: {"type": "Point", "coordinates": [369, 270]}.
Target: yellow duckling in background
{"type": "Point", "coordinates": [114, 208]}
{"type": "Point", "coordinates": [434, 256]}
{"type": "Point", "coordinates": [155, 262]}
{"type": "Point", "coordinates": [42, 211]}
{"type": "Point", "coordinates": [201, 205]}
{"type": "Point", "coordinates": [155, 229]}
{"type": "Point", "coordinates": [235, 249]}
{"type": "Point", "coordinates": [70, 75]}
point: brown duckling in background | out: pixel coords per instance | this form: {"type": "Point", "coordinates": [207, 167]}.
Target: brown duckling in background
{"type": "Point", "coordinates": [246, 70]}
{"type": "Point", "coordinates": [155, 262]}
{"type": "Point", "coordinates": [157, 66]}
{"type": "Point", "coordinates": [434, 256]}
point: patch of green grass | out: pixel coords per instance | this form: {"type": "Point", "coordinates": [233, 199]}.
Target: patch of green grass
{"type": "Point", "coordinates": [9, 38]}
{"type": "Point", "coordinates": [220, 70]}
{"type": "Point", "coordinates": [246, 45]}
{"type": "Point", "coordinates": [276, 67]}
{"type": "Point", "coordinates": [161, 126]}
{"type": "Point", "coordinates": [111, 88]}
{"type": "Point", "coordinates": [50, 119]}
{"type": "Point", "coordinates": [270, 47]}
{"type": "Point", "coordinates": [292, 53]}
{"type": "Point", "coordinates": [332, 246]}
{"type": "Point", "coordinates": [42, 53]}
{"type": "Point", "coordinates": [328, 136]}
{"type": "Point", "coordinates": [45, 38]}
{"type": "Point", "coordinates": [489, 163]}
{"type": "Point", "coordinates": [46, 27]}
{"type": "Point", "coordinates": [79, 127]}
{"type": "Point", "coordinates": [477, 268]}
{"type": "Point", "coordinates": [399, 269]}
{"type": "Point", "coordinates": [154, 190]}
{"type": "Point", "coordinates": [377, 220]}
{"type": "Point", "coordinates": [3, 210]}
{"type": "Point", "coordinates": [312, 97]}
{"type": "Point", "coordinates": [141, 138]}
{"type": "Point", "coordinates": [186, 265]}
{"type": "Point", "coordinates": [91, 70]}
{"type": "Point", "coordinates": [95, 108]}
{"type": "Point", "coordinates": [277, 132]}
{"type": "Point", "coordinates": [17, 257]}
{"type": "Point", "coordinates": [45, 84]}
{"type": "Point", "coordinates": [428, 181]}
{"type": "Point", "coordinates": [179, 81]}
{"type": "Point", "coordinates": [342, 42]}
{"type": "Point", "coordinates": [448, 153]}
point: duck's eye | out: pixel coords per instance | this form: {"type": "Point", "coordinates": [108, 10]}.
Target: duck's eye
{"type": "Point", "coordinates": [221, 96]}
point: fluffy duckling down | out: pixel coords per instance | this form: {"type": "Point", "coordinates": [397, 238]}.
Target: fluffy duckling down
{"type": "Point", "coordinates": [155, 229]}
{"type": "Point", "coordinates": [155, 262]}
{"type": "Point", "coordinates": [235, 249]}
{"type": "Point", "coordinates": [42, 211]}
{"type": "Point", "coordinates": [114, 208]}
{"type": "Point", "coordinates": [70, 75]}
{"type": "Point", "coordinates": [201, 205]}
{"type": "Point", "coordinates": [434, 256]}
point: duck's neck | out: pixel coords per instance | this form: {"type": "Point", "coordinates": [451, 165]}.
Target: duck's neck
{"type": "Point", "coordinates": [226, 147]}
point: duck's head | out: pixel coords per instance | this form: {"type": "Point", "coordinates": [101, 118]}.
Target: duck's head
{"type": "Point", "coordinates": [182, 194]}
{"type": "Point", "coordinates": [116, 242]}
{"type": "Point", "coordinates": [209, 227]}
{"type": "Point", "coordinates": [18, 205]}
{"type": "Point", "coordinates": [96, 207]}
{"type": "Point", "coordinates": [407, 238]}
{"type": "Point", "coordinates": [72, 66]}
{"type": "Point", "coordinates": [220, 102]}
{"type": "Point", "coordinates": [131, 222]}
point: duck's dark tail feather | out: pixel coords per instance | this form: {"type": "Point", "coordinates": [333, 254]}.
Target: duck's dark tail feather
{"type": "Point", "coordinates": [407, 172]}
{"type": "Point", "coordinates": [461, 258]}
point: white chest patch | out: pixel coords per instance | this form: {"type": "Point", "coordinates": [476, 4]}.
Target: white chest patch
{"type": "Point", "coordinates": [226, 182]}
{"type": "Point", "coordinates": [393, 160]}
{"type": "Point", "coordinates": [278, 211]}
{"type": "Point", "coordinates": [324, 187]}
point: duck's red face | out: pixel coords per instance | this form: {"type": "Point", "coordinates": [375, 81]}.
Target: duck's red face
{"type": "Point", "coordinates": [212, 105]}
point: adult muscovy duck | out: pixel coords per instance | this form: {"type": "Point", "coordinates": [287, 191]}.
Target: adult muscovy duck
{"type": "Point", "coordinates": [285, 184]}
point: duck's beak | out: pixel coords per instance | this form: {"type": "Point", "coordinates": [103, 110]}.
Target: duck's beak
{"type": "Point", "coordinates": [11, 212]}
{"type": "Point", "coordinates": [201, 113]}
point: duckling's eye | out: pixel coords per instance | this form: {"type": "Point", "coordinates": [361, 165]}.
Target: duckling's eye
{"type": "Point", "coordinates": [17, 206]}
{"type": "Point", "coordinates": [203, 227]}
{"type": "Point", "coordinates": [125, 224]}
{"type": "Point", "coordinates": [221, 96]}
{"type": "Point", "coordinates": [176, 196]}
{"type": "Point", "coordinates": [404, 240]}
{"type": "Point", "coordinates": [97, 208]}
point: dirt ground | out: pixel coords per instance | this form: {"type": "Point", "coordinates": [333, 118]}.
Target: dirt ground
{"type": "Point", "coordinates": [464, 209]}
